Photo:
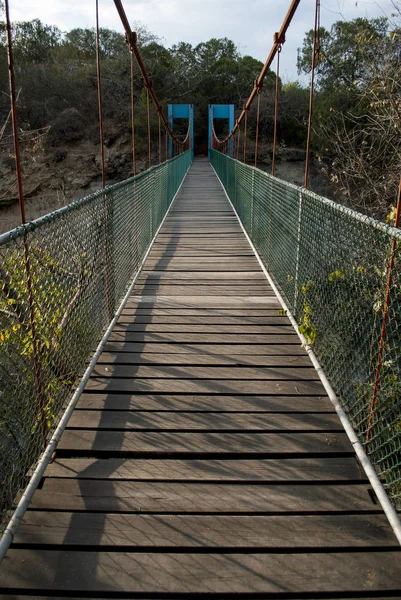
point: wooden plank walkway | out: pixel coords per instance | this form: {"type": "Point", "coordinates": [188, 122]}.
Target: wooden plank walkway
{"type": "Point", "coordinates": [203, 458]}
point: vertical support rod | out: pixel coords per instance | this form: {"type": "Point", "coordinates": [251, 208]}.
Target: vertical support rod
{"type": "Point", "coordinates": [257, 127]}
{"type": "Point", "coordinates": [385, 318]}
{"type": "Point", "coordinates": [32, 324]}
{"type": "Point", "coordinates": [279, 46]}
{"type": "Point", "coordinates": [149, 143]}
{"type": "Point", "coordinates": [133, 111]}
{"type": "Point", "coordinates": [312, 87]}
{"type": "Point", "coordinates": [160, 140]}
{"type": "Point", "coordinates": [99, 96]}
{"type": "Point", "coordinates": [166, 141]}
{"type": "Point", "coordinates": [245, 130]}
{"type": "Point", "coordinates": [238, 141]}
{"type": "Point", "coordinates": [101, 136]}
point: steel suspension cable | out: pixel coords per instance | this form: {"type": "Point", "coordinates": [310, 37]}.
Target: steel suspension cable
{"type": "Point", "coordinates": [149, 140]}
{"type": "Point", "coordinates": [315, 51]}
{"type": "Point", "coordinates": [160, 140]}
{"type": "Point", "coordinates": [101, 135]}
{"type": "Point", "coordinates": [265, 69]}
{"type": "Point", "coordinates": [133, 111]}
{"type": "Point", "coordinates": [383, 333]}
{"type": "Point", "coordinates": [245, 132]}
{"type": "Point", "coordinates": [257, 128]}
{"type": "Point", "coordinates": [21, 199]}
{"type": "Point", "coordinates": [99, 96]}
{"type": "Point", "coordinates": [279, 48]}
{"type": "Point", "coordinates": [131, 39]}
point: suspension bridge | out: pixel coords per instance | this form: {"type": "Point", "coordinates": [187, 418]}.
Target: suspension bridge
{"type": "Point", "coordinates": [200, 370]}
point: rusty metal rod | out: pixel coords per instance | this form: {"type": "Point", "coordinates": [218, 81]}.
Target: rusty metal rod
{"type": "Point", "coordinates": [99, 96]}
{"type": "Point", "coordinates": [281, 36]}
{"type": "Point", "coordinates": [160, 141]}
{"type": "Point", "coordinates": [133, 111]}
{"type": "Point", "coordinates": [276, 109]}
{"type": "Point", "coordinates": [32, 323]}
{"type": "Point", "coordinates": [245, 132]}
{"type": "Point", "coordinates": [312, 89]}
{"type": "Point", "coordinates": [149, 140]}
{"type": "Point", "coordinates": [257, 130]}
{"type": "Point", "coordinates": [383, 332]}
{"type": "Point", "coordinates": [132, 42]}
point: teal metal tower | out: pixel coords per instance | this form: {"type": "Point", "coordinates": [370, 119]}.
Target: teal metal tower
{"type": "Point", "coordinates": [181, 111]}
{"type": "Point", "coordinates": [220, 111]}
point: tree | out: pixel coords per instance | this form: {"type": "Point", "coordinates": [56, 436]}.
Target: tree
{"type": "Point", "coordinates": [33, 41]}
{"type": "Point", "coordinates": [344, 52]}
{"type": "Point", "coordinates": [357, 121]}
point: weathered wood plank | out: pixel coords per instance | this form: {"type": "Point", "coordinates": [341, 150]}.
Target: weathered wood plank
{"type": "Point", "coordinates": [156, 443]}
{"type": "Point", "coordinates": [318, 469]}
{"type": "Point", "coordinates": [271, 329]}
{"type": "Point", "coordinates": [192, 531]}
{"type": "Point", "coordinates": [186, 497]}
{"type": "Point", "coordinates": [225, 349]}
{"type": "Point", "coordinates": [51, 597]}
{"type": "Point", "coordinates": [207, 372]}
{"type": "Point", "coordinates": [284, 337]}
{"type": "Point", "coordinates": [130, 316]}
{"type": "Point", "coordinates": [211, 403]}
{"type": "Point", "coordinates": [241, 278]}
{"type": "Point", "coordinates": [129, 572]}
{"type": "Point", "coordinates": [218, 291]}
{"type": "Point", "coordinates": [203, 302]}
{"type": "Point", "coordinates": [206, 312]}
{"type": "Point", "coordinates": [197, 359]}
{"type": "Point", "coordinates": [162, 421]}
{"type": "Point", "coordinates": [199, 386]}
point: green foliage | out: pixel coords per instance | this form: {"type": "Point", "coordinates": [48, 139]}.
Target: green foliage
{"type": "Point", "coordinates": [357, 120]}
{"type": "Point", "coordinates": [306, 326]}
{"type": "Point", "coordinates": [343, 52]}
{"type": "Point", "coordinates": [57, 71]}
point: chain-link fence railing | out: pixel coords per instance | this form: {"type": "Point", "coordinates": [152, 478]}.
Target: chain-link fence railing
{"type": "Point", "coordinates": [340, 275]}
{"type": "Point", "coordinates": [62, 278]}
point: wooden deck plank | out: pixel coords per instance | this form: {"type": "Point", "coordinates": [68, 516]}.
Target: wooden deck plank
{"type": "Point", "coordinates": [216, 444]}
{"type": "Point", "coordinates": [130, 572]}
{"type": "Point", "coordinates": [191, 531]}
{"type": "Point", "coordinates": [197, 359]}
{"type": "Point", "coordinates": [271, 329]}
{"type": "Point", "coordinates": [224, 349]}
{"type": "Point", "coordinates": [205, 386]}
{"type": "Point", "coordinates": [159, 421]}
{"type": "Point", "coordinates": [282, 470]}
{"type": "Point", "coordinates": [209, 372]}
{"type": "Point", "coordinates": [284, 337]}
{"type": "Point", "coordinates": [206, 403]}
{"type": "Point", "coordinates": [190, 498]}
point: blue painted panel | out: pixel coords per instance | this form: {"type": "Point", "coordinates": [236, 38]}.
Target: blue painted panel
{"type": "Point", "coordinates": [180, 111]}
{"type": "Point", "coordinates": [220, 111]}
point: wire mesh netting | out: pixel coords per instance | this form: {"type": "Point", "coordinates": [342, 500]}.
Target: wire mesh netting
{"type": "Point", "coordinates": [62, 278]}
{"type": "Point", "coordinates": [332, 267]}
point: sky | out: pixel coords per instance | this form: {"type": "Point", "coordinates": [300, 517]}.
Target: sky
{"type": "Point", "coordinates": [249, 24]}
